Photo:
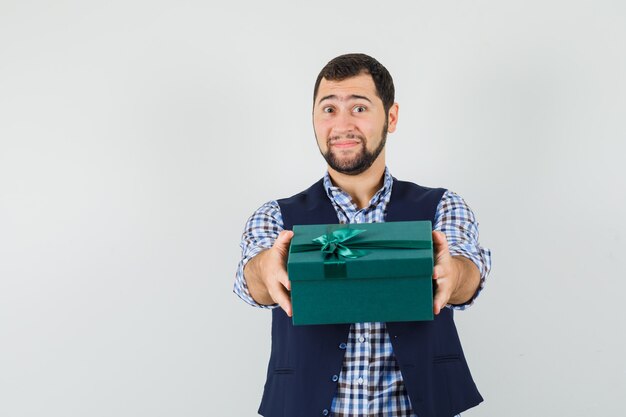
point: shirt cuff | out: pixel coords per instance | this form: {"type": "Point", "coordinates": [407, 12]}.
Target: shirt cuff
{"type": "Point", "coordinates": [241, 286]}
{"type": "Point", "coordinates": [482, 268]}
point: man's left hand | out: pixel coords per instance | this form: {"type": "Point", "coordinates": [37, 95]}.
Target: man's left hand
{"type": "Point", "coordinates": [456, 278]}
{"type": "Point", "coordinates": [446, 272]}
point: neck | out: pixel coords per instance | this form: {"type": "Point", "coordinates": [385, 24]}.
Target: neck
{"type": "Point", "coordinates": [363, 186]}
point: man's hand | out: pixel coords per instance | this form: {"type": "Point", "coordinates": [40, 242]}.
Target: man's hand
{"type": "Point", "coordinates": [456, 278]}
{"type": "Point", "coordinates": [266, 274]}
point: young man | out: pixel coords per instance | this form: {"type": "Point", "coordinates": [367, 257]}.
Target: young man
{"type": "Point", "coordinates": [365, 369]}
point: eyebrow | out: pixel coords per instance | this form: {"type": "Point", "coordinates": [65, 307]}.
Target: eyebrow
{"type": "Point", "coordinates": [350, 97]}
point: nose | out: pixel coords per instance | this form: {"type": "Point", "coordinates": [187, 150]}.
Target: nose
{"type": "Point", "coordinates": [344, 124]}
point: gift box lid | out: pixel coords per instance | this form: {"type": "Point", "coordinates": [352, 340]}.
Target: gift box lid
{"type": "Point", "coordinates": [391, 249]}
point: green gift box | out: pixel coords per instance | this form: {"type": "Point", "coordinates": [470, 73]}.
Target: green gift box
{"type": "Point", "coordinates": [364, 272]}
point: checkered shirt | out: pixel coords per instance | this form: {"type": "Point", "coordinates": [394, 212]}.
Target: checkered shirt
{"type": "Point", "coordinates": [370, 383]}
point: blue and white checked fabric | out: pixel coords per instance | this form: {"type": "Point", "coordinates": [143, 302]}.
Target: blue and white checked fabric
{"type": "Point", "coordinates": [370, 382]}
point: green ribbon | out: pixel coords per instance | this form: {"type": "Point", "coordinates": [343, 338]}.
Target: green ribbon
{"type": "Point", "coordinates": [335, 247]}
{"type": "Point", "coordinates": [333, 244]}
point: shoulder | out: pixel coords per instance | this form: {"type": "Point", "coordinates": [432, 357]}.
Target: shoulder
{"type": "Point", "coordinates": [267, 213]}
{"type": "Point", "coordinates": [303, 197]}
{"type": "Point", "coordinates": [453, 201]}
{"type": "Point", "coordinates": [415, 191]}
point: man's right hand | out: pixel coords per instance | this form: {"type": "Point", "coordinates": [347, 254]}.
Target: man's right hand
{"type": "Point", "coordinates": [266, 274]}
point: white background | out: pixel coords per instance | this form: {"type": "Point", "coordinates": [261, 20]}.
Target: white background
{"type": "Point", "coordinates": [138, 136]}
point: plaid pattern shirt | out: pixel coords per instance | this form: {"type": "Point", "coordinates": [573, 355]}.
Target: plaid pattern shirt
{"type": "Point", "coordinates": [370, 382]}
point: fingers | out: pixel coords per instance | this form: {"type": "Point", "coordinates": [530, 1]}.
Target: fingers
{"type": "Point", "coordinates": [274, 272]}
{"type": "Point", "coordinates": [283, 278]}
{"type": "Point", "coordinates": [438, 271]}
{"type": "Point", "coordinates": [281, 244]}
{"type": "Point", "coordinates": [440, 243]}
{"type": "Point", "coordinates": [442, 281]}
{"type": "Point", "coordinates": [279, 291]}
{"type": "Point", "coordinates": [282, 298]}
{"type": "Point", "coordinates": [278, 284]}
{"type": "Point", "coordinates": [443, 289]}
{"type": "Point", "coordinates": [445, 273]}
{"type": "Point", "coordinates": [442, 295]}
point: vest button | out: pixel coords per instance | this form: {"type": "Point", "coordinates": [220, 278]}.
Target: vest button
{"type": "Point", "coordinates": [325, 412]}
{"type": "Point", "coordinates": [335, 378]}
{"type": "Point", "coordinates": [342, 346]}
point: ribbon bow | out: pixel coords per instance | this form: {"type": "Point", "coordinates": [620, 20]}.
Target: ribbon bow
{"type": "Point", "coordinates": [332, 244]}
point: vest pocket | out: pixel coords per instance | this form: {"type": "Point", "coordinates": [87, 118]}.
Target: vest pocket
{"type": "Point", "coordinates": [283, 371]}
{"type": "Point", "coordinates": [446, 358]}
{"type": "Point", "coordinates": [454, 390]}
{"type": "Point", "coordinates": [277, 393]}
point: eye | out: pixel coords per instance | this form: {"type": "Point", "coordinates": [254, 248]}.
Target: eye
{"type": "Point", "coordinates": [327, 110]}
{"type": "Point", "coordinates": [359, 109]}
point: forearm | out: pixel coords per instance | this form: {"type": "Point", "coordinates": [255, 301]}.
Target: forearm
{"type": "Point", "coordinates": [252, 273]}
{"type": "Point", "coordinates": [468, 280]}
{"type": "Point", "coordinates": [260, 233]}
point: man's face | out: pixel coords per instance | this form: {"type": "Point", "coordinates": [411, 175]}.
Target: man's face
{"type": "Point", "coordinates": [350, 123]}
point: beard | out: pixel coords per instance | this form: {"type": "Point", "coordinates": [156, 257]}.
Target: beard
{"type": "Point", "coordinates": [359, 162]}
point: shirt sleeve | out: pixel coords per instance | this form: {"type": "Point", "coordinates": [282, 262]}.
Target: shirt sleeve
{"type": "Point", "coordinates": [457, 221]}
{"type": "Point", "coordinates": [261, 230]}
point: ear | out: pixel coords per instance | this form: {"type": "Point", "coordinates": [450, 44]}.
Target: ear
{"type": "Point", "coordinates": [392, 118]}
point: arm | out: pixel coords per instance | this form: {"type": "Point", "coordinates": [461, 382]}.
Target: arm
{"type": "Point", "coordinates": [461, 264]}
{"type": "Point", "coordinates": [266, 274]}
{"type": "Point", "coordinates": [261, 278]}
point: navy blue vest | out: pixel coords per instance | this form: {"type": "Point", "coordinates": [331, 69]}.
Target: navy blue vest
{"type": "Point", "coordinates": [305, 358]}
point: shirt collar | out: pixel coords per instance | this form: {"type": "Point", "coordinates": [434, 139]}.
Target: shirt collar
{"type": "Point", "coordinates": [333, 191]}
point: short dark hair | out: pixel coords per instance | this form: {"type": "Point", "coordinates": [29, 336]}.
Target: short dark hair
{"type": "Point", "coordinates": [351, 65]}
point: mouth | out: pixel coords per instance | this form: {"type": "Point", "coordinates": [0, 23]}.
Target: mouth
{"type": "Point", "coordinates": [344, 143]}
